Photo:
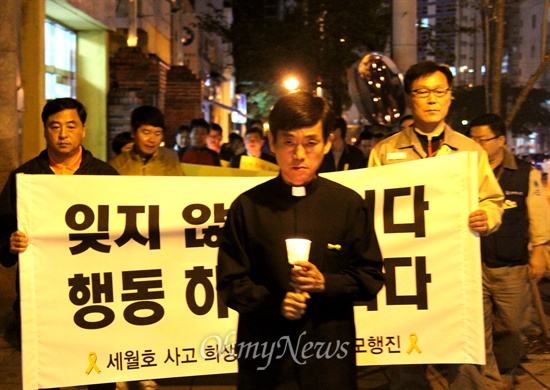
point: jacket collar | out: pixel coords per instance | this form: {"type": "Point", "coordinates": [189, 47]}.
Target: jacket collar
{"type": "Point", "coordinates": [509, 161]}
{"type": "Point", "coordinates": [136, 157]}
{"type": "Point", "coordinates": [407, 138]}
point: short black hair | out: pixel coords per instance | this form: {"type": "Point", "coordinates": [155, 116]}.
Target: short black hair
{"type": "Point", "coordinates": [299, 110]}
{"type": "Point", "coordinates": [255, 130]}
{"type": "Point", "coordinates": [255, 123]}
{"type": "Point", "coordinates": [198, 122]}
{"type": "Point", "coordinates": [340, 123]}
{"type": "Point", "coordinates": [121, 139]}
{"type": "Point", "coordinates": [423, 69]}
{"type": "Point", "coordinates": [235, 137]}
{"type": "Point", "coordinates": [216, 127]}
{"type": "Point", "coordinates": [366, 135]}
{"type": "Point", "coordinates": [147, 115]}
{"type": "Point", "coordinates": [494, 121]}
{"type": "Point", "coordinates": [57, 105]}
{"type": "Point", "coordinates": [182, 128]}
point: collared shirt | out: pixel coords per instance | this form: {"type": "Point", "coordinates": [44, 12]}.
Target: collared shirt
{"type": "Point", "coordinates": [61, 169]}
{"type": "Point", "coordinates": [431, 141]}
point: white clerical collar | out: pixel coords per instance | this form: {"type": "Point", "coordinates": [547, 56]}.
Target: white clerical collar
{"type": "Point", "coordinates": [299, 191]}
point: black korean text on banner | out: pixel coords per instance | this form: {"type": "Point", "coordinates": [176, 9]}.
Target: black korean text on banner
{"type": "Point", "coordinates": [378, 344]}
{"type": "Point", "coordinates": [88, 240]}
{"type": "Point", "coordinates": [422, 280]}
{"type": "Point", "coordinates": [418, 227]}
{"type": "Point", "coordinates": [200, 278]}
{"type": "Point", "coordinates": [141, 287]}
{"type": "Point", "coordinates": [80, 294]}
{"type": "Point", "coordinates": [91, 240]}
{"type": "Point", "coordinates": [199, 214]}
{"type": "Point", "coordinates": [132, 360]}
{"type": "Point", "coordinates": [131, 231]}
{"type": "Point", "coordinates": [143, 295]}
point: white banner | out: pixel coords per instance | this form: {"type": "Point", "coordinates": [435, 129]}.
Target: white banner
{"type": "Point", "coordinates": [118, 281]}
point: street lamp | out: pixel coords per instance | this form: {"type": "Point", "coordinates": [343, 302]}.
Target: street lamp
{"type": "Point", "coordinates": [291, 83]}
{"type": "Point", "coordinates": [132, 39]}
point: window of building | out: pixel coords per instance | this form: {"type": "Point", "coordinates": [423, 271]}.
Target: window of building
{"type": "Point", "coordinates": [534, 21]}
{"type": "Point", "coordinates": [424, 23]}
{"type": "Point", "coordinates": [60, 59]}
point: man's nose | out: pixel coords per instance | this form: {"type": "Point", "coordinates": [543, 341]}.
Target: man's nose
{"type": "Point", "coordinates": [299, 152]}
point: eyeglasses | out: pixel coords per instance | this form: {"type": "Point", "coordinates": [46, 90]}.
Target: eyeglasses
{"type": "Point", "coordinates": [482, 141]}
{"type": "Point", "coordinates": [425, 92]}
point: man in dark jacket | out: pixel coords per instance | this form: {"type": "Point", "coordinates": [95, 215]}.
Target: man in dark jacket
{"type": "Point", "coordinates": [507, 260]}
{"type": "Point", "coordinates": [64, 129]}
{"type": "Point", "coordinates": [198, 152]}
{"type": "Point", "coordinates": [342, 156]}
{"type": "Point", "coordinates": [296, 325]}
{"type": "Point", "coordinates": [253, 144]}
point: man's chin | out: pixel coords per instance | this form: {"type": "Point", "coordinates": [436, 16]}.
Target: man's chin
{"type": "Point", "coordinates": [299, 180]}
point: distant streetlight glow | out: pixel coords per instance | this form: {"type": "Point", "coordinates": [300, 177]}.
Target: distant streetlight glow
{"type": "Point", "coordinates": [132, 38]}
{"type": "Point", "coordinates": [291, 83]}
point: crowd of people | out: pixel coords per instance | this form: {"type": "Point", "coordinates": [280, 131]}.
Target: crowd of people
{"type": "Point", "coordinates": [315, 298]}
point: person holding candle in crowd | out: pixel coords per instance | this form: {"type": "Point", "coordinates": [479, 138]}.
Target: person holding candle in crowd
{"type": "Point", "coordinates": [306, 309]}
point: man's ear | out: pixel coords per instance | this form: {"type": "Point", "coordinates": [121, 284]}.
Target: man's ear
{"type": "Point", "coordinates": [328, 144]}
{"type": "Point", "coordinates": [271, 141]}
{"type": "Point", "coordinates": [408, 101]}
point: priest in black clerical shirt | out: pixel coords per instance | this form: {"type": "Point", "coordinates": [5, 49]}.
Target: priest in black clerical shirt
{"type": "Point", "coordinates": [296, 327]}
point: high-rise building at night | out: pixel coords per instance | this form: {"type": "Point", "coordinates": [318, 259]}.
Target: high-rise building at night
{"type": "Point", "coordinates": [453, 33]}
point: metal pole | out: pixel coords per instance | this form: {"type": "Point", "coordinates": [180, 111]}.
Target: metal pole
{"type": "Point", "coordinates": [404, 34]}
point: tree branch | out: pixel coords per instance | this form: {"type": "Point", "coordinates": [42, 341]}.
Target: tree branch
{"type": "Point", "coordinates": [526, 89]}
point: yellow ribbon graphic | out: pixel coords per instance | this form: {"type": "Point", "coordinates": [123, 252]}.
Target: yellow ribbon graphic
{"type": "Point", "coordinates": [413, 338]}
{"type": "Point", "coordinates": [334, 246]}
{"type": "Point", "coordinates": [92, 358]}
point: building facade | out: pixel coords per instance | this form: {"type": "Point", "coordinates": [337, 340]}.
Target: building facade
{"type": "Point", "coordinates": [94, 51]}
{"type": "Point", "coordinates": [452, 32]}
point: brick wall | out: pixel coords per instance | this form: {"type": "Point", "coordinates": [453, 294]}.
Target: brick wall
{"type": "Point", "coordinates": [137, 79]}
{"type": "Point", "coordinates": [184, 92]}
